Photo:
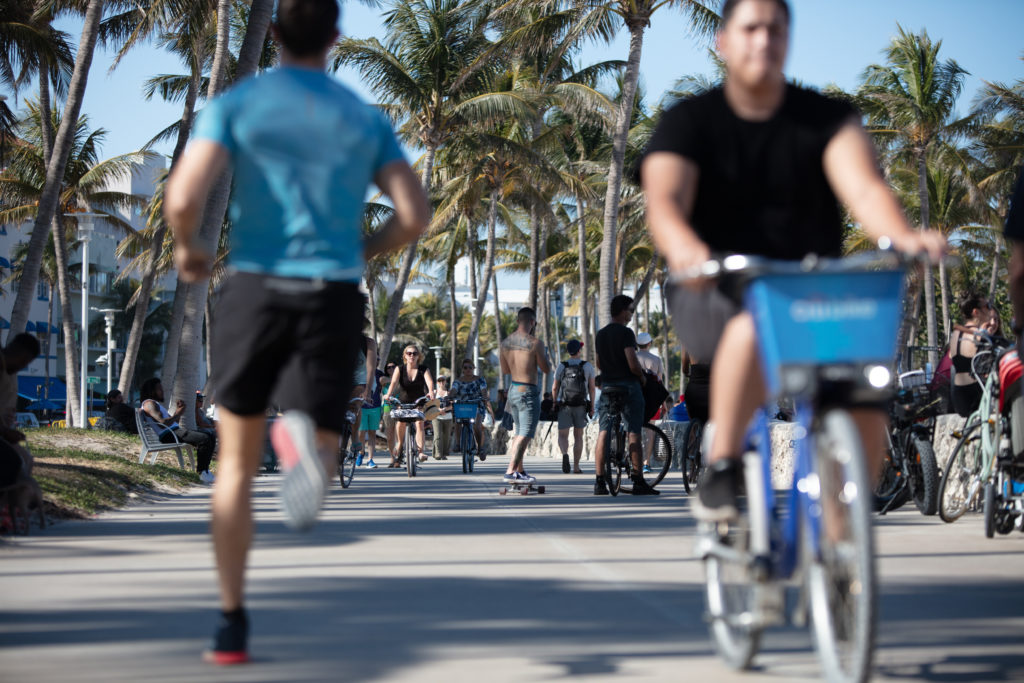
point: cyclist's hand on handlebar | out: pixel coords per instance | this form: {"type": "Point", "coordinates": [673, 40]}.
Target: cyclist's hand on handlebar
{"type": "Point", "coordinates": [689, 260]}
{"type": "Point", "coordinates": [930, 242]}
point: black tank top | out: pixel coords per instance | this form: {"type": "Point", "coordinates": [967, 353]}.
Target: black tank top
{"type": "Point", "coordinates": [411, 389]}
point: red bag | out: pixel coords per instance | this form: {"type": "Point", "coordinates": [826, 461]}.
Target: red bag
{"type": "Point", "coordinates": [1009, 378]}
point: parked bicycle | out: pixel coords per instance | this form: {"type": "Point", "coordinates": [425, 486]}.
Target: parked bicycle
{"type": "Point", "coordinates": [826, 330]}
{"type": "Point", "coordinates": [409, 413]}
{"type": "Point", "coordinates": [970, 466]}
{"type": "Point", "coordinates": [692, 457]}
{"type": "Point", "coordinates": [910, 470]}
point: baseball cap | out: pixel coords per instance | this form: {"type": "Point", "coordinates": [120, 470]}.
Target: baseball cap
{"type": "Point", "coordinates": [643, 339]}
{"type": "Point", "coordinates": [573, 346]}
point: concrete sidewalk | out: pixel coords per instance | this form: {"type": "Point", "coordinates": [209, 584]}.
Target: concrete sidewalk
{"type": "Point", "coordinates": [438, 578]}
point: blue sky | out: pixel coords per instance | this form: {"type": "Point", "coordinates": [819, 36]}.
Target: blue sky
{"type": "Point", "coordinates": [832, 42]}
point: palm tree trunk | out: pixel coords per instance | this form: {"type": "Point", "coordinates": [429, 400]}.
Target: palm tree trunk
{"type": "Point", "coordinates": [581, 245]}
{"type": "Point", "coordinates": [407, 261]}
{"type": "Point", "coordinates": [664, 336]}
{"type": "Point", "coordinates": [48, 345]}
{"type": "Point", "coordinates": [929, 280]}
{"type": "Point", "coordinates": [454, 323]}
{"type": "Point", "coordinates": [606, 282]}
{"type": "Point", "coordinates": [60, 248]}
{"type": "Point", "coordinates": [944, 290]}
{"type": "Point", "coordinates": [142, 300]}
{"type": "Point", "coordinates": [170, 365]}
{"type": "Point", "coordinates": [994, 277]}
{"type": "Point", "coordinates": [187, 377]}
{"type": "Point", "coordinates": [497, 312]}
{"type": "Point", "coordinates": [531, 300]}
{"type": "Point", "coordinates": [63, 143]}
{"type": "Point", "coordinates": [485, 280]}
{"type": "Point", "coordinates": [45, 114]}
{"type": "Point", "coordinates": [207, 339]}
{"type": "Point", "coordinates": [370, 289]}
{"type": "Point", "coordinates": [645, 284]}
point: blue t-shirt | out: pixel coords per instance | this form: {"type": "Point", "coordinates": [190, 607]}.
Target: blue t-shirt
{"type": "Point", "coordinates": [304, 150]}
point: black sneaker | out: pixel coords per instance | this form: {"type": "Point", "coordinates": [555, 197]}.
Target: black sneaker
{"type": "Point", "coordinates": [642, 488]}
{"type": "Point", "coordinates": [565, 463]}
{"type": "Point", "coordinates": [600, 488]}
{"type": "Point", "coordinates": [230, 642]}
{"type": "Point", "coordinates": [717, 492]}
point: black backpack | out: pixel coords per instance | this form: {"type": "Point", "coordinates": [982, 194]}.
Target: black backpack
{"type": "Point", "coordinates": [574, 384]}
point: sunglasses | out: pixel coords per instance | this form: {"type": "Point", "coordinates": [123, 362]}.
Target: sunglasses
{"type": "Point", "coordinates": [411, 353]}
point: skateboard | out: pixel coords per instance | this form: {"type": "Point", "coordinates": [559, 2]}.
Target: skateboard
{"type": "Point", "coordinates": [521, 489]}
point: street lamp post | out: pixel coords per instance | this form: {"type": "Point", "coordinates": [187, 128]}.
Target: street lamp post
{"type": "Point", "coordinates": [437, 358]}
{"type": "Point", "coordinates": [85, 230]}
{"type": "Point", "coordinates": [108, 318]}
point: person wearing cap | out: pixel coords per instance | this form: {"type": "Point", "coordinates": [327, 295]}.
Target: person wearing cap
{"type": "Point", "coordinates": [573, 417]}
{"type": "Point", "coordinates": [652, 364]}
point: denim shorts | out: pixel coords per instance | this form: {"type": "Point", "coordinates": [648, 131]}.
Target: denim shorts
{"type": "Point", "coordinates": [524, 404]}
{"type": "Point", "coordinates": [633, 408]}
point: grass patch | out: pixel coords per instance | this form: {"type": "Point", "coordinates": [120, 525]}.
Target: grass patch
{"type": "Point", "coordinates": [82, 472]}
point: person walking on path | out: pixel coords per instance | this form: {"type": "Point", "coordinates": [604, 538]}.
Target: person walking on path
{"type": "Point", "coordinates": [574, 390]}
{"type": "Point", "coordinates": [756, 166]}
{"type": "Point", "coordinates": [304, 150]}
{"type": "Point", "coordinates": [363, 385]}
{"type": "Point", "coordinates": [521, 355]}
{"type": "Point", "coordinates": [616, 359]}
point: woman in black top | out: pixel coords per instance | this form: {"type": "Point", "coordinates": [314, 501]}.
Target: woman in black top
{"type": "Point", "coordinates": [964, 390]}
{"type": "Point", "coordinates": [413, 381]}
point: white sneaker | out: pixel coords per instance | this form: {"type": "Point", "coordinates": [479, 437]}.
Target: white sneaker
{"type": "Point", "coordinates": [293, 436]}
{"type": "Point", "coordinates": [206, 477]}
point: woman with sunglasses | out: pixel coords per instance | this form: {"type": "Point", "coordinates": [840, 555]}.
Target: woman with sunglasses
{"type": "Point", "coordinates": [413, 381]}
{"type": "Point", "coordinates": [469, 387]}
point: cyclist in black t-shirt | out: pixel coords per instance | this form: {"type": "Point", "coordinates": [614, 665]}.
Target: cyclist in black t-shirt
{"type": "Point", "coordinates": [1015, 234]}
{"type": "Point", "coordinates": [756, 166]}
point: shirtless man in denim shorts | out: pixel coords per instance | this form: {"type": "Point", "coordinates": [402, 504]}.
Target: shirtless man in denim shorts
{"type": "Point", "coordinates": [521, 355]}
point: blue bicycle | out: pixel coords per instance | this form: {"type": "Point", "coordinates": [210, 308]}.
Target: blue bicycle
{"type": "Point", "coordinates": [826, 332]}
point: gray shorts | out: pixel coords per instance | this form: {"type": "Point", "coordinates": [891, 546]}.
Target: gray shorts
{"type": "Point", "coordinates": [572, 416]}
{"type": "Point", "coordinates": [524, 404]}
{"type": "Point", "coordinates": [699, 318]}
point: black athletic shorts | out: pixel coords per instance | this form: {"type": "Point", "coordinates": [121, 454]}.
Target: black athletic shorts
{"type": "Point", "coordinates": [289, 341]}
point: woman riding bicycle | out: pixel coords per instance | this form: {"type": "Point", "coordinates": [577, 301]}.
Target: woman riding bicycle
{"type": "Point", "coordinates": [469, 387]}
{"type": "Point", "coordinates": [413, 381]}
{"type": "Point", "coordinates": [964, 390]}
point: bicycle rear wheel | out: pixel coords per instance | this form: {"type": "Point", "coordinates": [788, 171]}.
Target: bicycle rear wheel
{"type": "Point", "coordinates": [612, 459]}
{"type": "Point", "coordinates": [346, 468]}
{"type": "Point", "coordinates": [691, 459]}
{"type": "Point", "coordinates": [661, 454]}
{"type": "Point", "coordinates": [890, 490]}
{"type": "Point", "coordinates": [964, 464]}
{"type": "Point", "coordinates": [841, 573]}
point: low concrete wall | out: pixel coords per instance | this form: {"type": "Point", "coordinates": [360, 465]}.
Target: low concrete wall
{"type": "Point", "coordinates": [545, 444]}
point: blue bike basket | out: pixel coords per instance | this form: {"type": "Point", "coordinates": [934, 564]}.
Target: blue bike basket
{"type": "Point", "coordinates": [464, 410]}
{"type": "Point", "coordinates": [813, 319]}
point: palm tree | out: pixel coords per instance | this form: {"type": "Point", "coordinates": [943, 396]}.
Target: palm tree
{"type": "Point", "coordinates": [427, 80]}
{"type": "Point", "coordinates": [85, 183]}
{"type": "Point", "coordinates": [62, 148]}
{"type": "Point", "coordinates": [911, 98]}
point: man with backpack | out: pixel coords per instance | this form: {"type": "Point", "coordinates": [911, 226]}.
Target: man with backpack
{"type": "Point", "coordinates": [574, 395]}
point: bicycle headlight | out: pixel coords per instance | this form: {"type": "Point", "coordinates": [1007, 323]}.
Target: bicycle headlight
{"type": "Point", "coordinates": [878, 376]}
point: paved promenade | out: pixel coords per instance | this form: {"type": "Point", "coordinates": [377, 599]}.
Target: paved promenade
{"type": "Point", "coordinates": [441, 579]}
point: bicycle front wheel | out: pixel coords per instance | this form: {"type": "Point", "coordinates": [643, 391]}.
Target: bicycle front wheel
{"type": "Point", "coordinates": [691, 459]}
{"type": "Point", "coordinates": [841, 568]}
{"type": "Point", "coordinates": [731, 594]}
{"type": "Point", "coordinates": [467, 452]}
{"type": "Point", "coordinates": [660, 450]}
{"type": "Point", "coordinates": [923, 476]}
{"type": "Point", "coordinates": [410, 449]}
{"type": "Point", "coordinates": [963, 466]}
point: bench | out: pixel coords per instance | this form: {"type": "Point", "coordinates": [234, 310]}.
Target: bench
{"type": "Point", "coordinates": [151, 443]}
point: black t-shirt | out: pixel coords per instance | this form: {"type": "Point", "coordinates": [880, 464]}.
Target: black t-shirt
{"type": "Point", "coordinates": [761, 187]}
{"type": "Point", "coordinates": [611, 343]}
{"type": "Point", "coordinates": [1015, 219]}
